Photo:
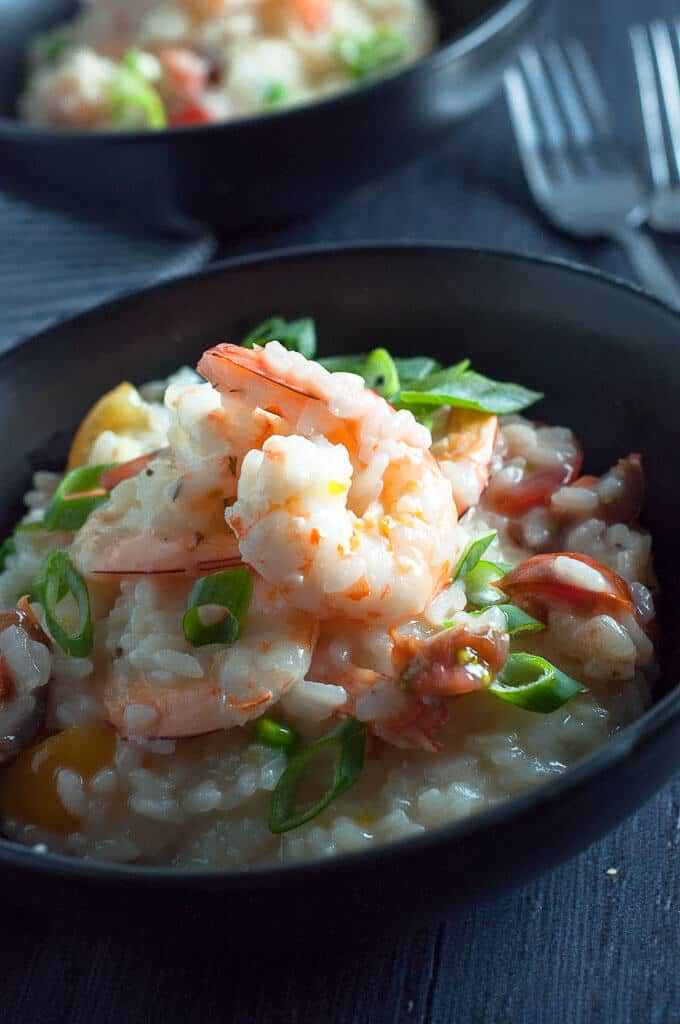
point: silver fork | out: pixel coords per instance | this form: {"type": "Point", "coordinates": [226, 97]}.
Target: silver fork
{"type": "Point", "coordinates": [575, 167]}
{"type": "Point", "coordinates": [657, 75]}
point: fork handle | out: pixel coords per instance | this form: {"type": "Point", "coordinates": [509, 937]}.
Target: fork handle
{"type": "Point", "coordinates": [649, 264]}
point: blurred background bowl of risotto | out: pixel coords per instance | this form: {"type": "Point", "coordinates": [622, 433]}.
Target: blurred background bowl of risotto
{"type": "Point", "coordinates": [203, 112]}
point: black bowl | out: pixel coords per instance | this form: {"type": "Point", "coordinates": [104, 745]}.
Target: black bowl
{"type": "Point", "coordinates": [606, 357]}
{"type": "Point", "coordinates": [264, 169]}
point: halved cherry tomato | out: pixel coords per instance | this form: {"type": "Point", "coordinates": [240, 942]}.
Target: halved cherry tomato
{"type": "Point", "coordinates": [28, 790]}
{"type": "Point", "coordinates": [538, 587]}
{"type": "Point", "coordinates": [451, 663]}
{"type": "Point", "coordinates": [190, 113]}
{"type": "Point", "coordinates": [627, 505]}
{"type": "Point", "coordinates": [536, 487]}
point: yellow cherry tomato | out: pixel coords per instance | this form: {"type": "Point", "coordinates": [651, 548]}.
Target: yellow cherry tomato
{"type": "Point", "coordinates": [28, 786]}
{"type": "Point", "coordinates": [121, 410]}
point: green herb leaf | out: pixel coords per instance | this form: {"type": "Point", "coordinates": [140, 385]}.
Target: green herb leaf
{"type": "Point", "coordinates": [345, 364]}
{"type": "Point", "coordinates": [60, 577]}
{"type": "Point", "coordinates": [78, 495]}
{"type": "Point", "coordinates": [519, 621]}
{"type": "Point", "coordinates": [272, 734]}
{"type": "Point", "coordinates": [468, 390]}
{"type": "Point", "coordinates": [367, 55]}
{"type": "Point", "coordinates": [473, 553]}
{"type": "Point", "coordinates": [534, 684]}
{"type": "Point", "coordinates": [275, 94]}
{"type": "Point", "coordinates": [230, 590]}
{"type": "Point", "coordinates": [8, 547]}
{"type": "Point", "coordinates": [380, 373]}
{"type": "Point", "coordinates": [133, 100]}
{"type": "Point", "coordinates": [296, 335]}
{"type": "Point", "coordinates": [54, 47]}
{"type": "Point", "coordinates": [350, 739]}
{"type": "Point", "coordinates": [415, 368]}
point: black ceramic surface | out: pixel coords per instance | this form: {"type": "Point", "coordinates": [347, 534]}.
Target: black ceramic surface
{"type": "Point", "coordinates": [256, 170]}
{"type": "Point", "coordinates": [606, 358]}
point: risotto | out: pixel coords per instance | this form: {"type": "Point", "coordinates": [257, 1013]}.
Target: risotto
{"type": "Point", "coordinates": [281, 609]}
{"type": "Point", "coordinates": [147, 64]}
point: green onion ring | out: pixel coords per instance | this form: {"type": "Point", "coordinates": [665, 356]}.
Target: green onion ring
{"type": "Point", "coordinates": [350, 737]}
{"type": "Point", "coordinates": [59, 578]}
{"type": "Point", "coordinates": [381, 374]}
{"type": "Point", "coordinates": [271, 733]}
{"type": "Point", "coordinates": [534, 684]}
{"type": "Point", "coordinates": [231, 590]}
{"type": "Point", "coordinates": [473, 553]}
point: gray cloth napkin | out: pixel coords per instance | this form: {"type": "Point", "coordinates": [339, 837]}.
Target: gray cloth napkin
{"type": "Point", "coordinates": [53, 265]}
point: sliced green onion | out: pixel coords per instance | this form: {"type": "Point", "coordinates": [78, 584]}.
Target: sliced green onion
{"type": "Point", "coordinates": [141, 63]}
{"type": "Point", "coordinates": [367, 55]}
{"type": "Point", "coordinates": [520, 621]}
{"type": "Point", "coordinates": [380, 373]}
{"type": "Point", "coordinates": [60, 577]}
{"type": "Point", "coordinates": [534, 684]}
{"type": "Point", "coordinates": [272, 734]}
{"type": "Point", "coordinates": [8, 547]}
{"type": "Point", "coordinates": [296, 335]}
{"type": "Point", "coordinates": [133, 100]}
{"type": "Point", "coordinates": [468, 390]}
{"type": "Point", "coordinates": [230, 590]}
{"type": "Point", "coordinates": [275, 94]}
{"type": "Point", "coordinates": [78, 494]}
{"type": "Point", "coordinates": [30, 527]}
{"type": "Point", "coordinates": [350, 739]}
{"type": "Point", "coordinates": [478, 585]}
{"type": "Point", "coordinates": [473, 553]}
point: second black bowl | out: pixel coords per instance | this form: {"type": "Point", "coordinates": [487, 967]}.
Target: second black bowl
{"type": "Point", "coordinates": [258, 170]}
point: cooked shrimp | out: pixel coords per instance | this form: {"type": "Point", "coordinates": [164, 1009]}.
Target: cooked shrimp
{"type": "Point", "coordinates": [464, 454]}
{"type": "Point", "coordinates": [314, 14]}
{"type": "Point", "coordinates": [359, 661]}
{"type": "Point", "coordinates": [228, 686]}
{"type": "Point", "coordinates": [396, 716]}
{"type": "Point", "coordinates": [127, 470]}
{"type": "Point", "coordinates": [204, 8]}
{"type": "Point", "coordinates": [142, 528]}
{"type": "Point", "coordinates": [352, 516]}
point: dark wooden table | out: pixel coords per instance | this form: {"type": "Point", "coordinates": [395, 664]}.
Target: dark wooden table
{"type": "Point", "coordinates": [598, 940]}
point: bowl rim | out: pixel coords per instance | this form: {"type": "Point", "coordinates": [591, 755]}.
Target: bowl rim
{"type": "Point", "coordinates": [638, 735]}
{"type": "Point", "coordinates": [498, 19]}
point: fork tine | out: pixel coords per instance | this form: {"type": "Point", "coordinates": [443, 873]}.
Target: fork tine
{"type": "Point", "coordinates": [668, 77]}
{"type": "Point", "coordinates": [526, 133]}
{"type": "Point", "coordinates": [541, 93]}
{"type": "Point", "coordinates": [649, 104]}
{"type": "Point", "coordinates": [577, 114]}
{"type": "Point", "coordinates": [590, 86]}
